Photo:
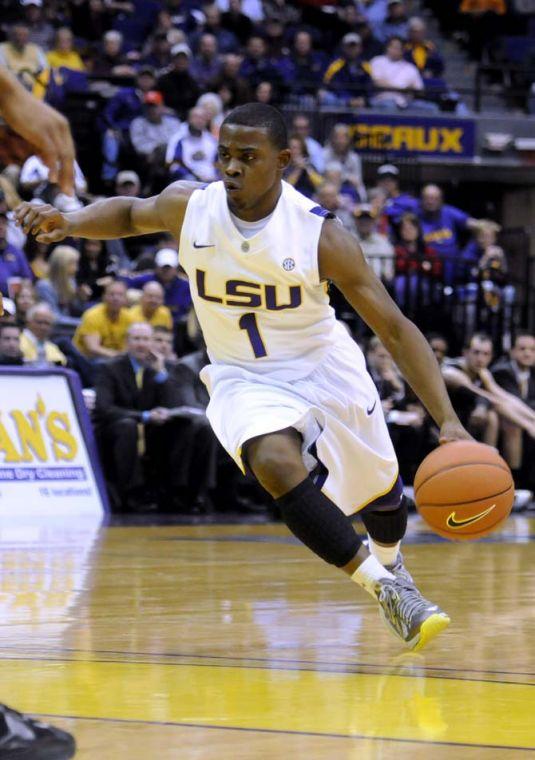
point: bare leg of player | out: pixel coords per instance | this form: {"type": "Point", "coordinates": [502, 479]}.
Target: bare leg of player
{"type": "Point", "coordinates": [277, 463]}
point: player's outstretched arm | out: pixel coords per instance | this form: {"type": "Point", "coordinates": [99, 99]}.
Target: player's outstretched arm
{"type": "Point", "coordinates": [341, 261]}
{"type": "Point", "coordinates": [110, 218]}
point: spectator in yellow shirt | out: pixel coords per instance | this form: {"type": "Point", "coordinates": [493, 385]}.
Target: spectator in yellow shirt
{"type": "Point", "coordinates": [150, 307]}
{"type": "Point", "coordinates": [102, 331]}
{"type": "Point", "coordinates": [63, 53]}
{"type": "Point", "coordinates": [24, 59]}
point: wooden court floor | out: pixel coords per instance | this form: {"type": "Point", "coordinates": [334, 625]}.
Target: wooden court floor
{"type": "Point", "coordinates": [232, 641]}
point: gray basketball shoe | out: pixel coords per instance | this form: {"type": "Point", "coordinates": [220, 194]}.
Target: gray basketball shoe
{"type": "Point", "coordinates": [413, 619]}
{"type": "Point", "coordinates": [398, 569]}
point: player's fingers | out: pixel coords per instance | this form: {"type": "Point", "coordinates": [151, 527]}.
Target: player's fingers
{"type": "Point", "coordinates": [27, 219]}
{"type": "Point", "coordinates": [50, 237]}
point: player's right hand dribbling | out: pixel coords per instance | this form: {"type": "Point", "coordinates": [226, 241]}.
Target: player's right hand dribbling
{"type": "Point", "coordinates": [44, 221]}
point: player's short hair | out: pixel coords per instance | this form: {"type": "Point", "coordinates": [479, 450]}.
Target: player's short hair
{"type": "Point", "coordinates": [261, 116]}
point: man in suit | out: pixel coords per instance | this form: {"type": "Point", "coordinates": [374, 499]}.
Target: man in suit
{"type": "Point", "coordinates": [133, 398]}
{"type": "Point", "coordinates": [516, 375]}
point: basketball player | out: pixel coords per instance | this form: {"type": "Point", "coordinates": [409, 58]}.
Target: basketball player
{"type": "Point", "coordinates": [49, 133]}
{"type": "Point", "coordinates": [290, 398]}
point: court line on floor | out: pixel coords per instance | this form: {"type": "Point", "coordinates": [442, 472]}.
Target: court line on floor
{"type": "Point", "coordinates": [284, 661]}
{"type": "Point", "coordinates": [318, 734]}
{"type": "Point", "coordinates": [334, 671]}
{"type": "Point", "coordinates": [410, 540]}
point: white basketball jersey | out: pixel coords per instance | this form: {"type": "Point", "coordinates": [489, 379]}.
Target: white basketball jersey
{"type": "Point", "coordinates": [259, 300]}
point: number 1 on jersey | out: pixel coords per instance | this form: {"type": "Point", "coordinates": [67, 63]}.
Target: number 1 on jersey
{"type": "Point", "coordinates": [248, 322]}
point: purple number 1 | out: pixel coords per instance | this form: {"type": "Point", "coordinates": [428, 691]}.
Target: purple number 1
{"type": "Point", "coordinates": [248, 322]}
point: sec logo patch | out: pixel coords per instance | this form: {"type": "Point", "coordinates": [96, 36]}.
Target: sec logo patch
{"type": "Point", "coordinates": [288, 265]}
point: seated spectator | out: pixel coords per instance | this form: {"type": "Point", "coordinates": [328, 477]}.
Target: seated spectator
{"type": "Point", "coordinates": [370, 44]}
{"type": "Point", "coordinates": [63, 54]}
{"type": "Point", "coordinates": [206, 65]}
{"type": "Point", "coordinates": [59, 290]}
{"type": "Point", "coordinates": [13, 263]}
{"type": "Point", "coordinates": [300, 173]}
{"type": "Point", "coordinates": [442, 227]}
{"type": "Point", "coordinates": [192, 155]}
{"type": "Point", "coordinates": [305, 68]}
{"type": "Point", "coordinates": [35, 343]}
{"type": "Point", "coordinates": [347, 79]}
{"type": "Point", "coordinates": [24, 58]}
{"type": "Point", "coordinates": [153, 129]}
{"type": "Point", "coordinates": [396, 22]}
{"type": "Point", "coordinates": [162, 344]}
{"type": "Point", "coordinates": [421, 51]}
{"type": "Point", "coordinates": [301, 127]}
{"type": "Point", "coordinates": [226, 40]}
{"type": "Point", "coordinates": [418, 267]}
{"type": "Point", "coordinates": [119, 112]}
{"type": "Point", "coordinates": [40, 31]}
{"type": "Point", "coordinates": [338, 148]}
{"type": "Point", "coordinates": [335, 173]}
{"type": "Point", "coordinates": [179, 89]}
{"type": "Point", "coordinates": [397, 203]}
{"type": "Point", "coordinates": [266, 93]}
{"type": "Point", "coordinates": [477, 398]}
{"type": "Point", "coordinates": [10, 352]}
{"type": "Point", "coordinates": [102, 332]}
{"type": "Point", "coordinates": [176, 288]}
{"type": "Point", "coordinates": [214, 110]}
{"type": "Point", "coordinates": [150, 308]}
{"type": "Point", "coordinates": [256, 67]}
{"type": "Point", "coordinates": [516, 375]}
{"type": "Point", "coordinates": [376, 247]}
{"type": "Point", "coordinates": [328, 196]}
{"type": "Point", "coordinates": [439, 346]}
{"type": "Point", "coordinates": [158, 57]}
{"type": "Point", "coordinates": [237, 22]}
{"type": "Point", "coordinates": [111, 60]}
{"type": "Point", "coordinates": [24, 299]}
{"type": "Point", "coordinates": [133, 390]}
{"type": "Point", "coordinates": [231, 86]}
{"type": "Point", "coordinates": [408, 425]}
{"type": "Point", "coordinates": [95, 268]}
{"type": "Point", "coordinates": [392, 71]}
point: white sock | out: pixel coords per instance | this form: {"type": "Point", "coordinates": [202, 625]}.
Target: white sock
{"type": "Point", "coordinates": [369, 573]}
{"type": "Point", "coordinates": [386, 555]}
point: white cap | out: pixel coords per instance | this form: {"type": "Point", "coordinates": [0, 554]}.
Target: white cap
{"type": "Point", "coordinates": [388, 169]}
{"type": "Point", "coordinates": [166, 257]}
{"type": "Point", "coordinates": [181, 47]}
{"type": "Point", "coordinates": [9, 306]}
{"type": "Point", "coordinates": [39, 3]}
{"type": "Point", "coordinates": [127, 176]}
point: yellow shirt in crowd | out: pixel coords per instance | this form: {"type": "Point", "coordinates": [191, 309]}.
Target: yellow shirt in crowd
{"type": "Point", "coordinates": [95, 321]}
{"type": "Point", "coordinates": [72, 60]}
{"type": "Point", "coordinates": [161, 317]}
{"type": "Point", "coordinates": [30, 350]}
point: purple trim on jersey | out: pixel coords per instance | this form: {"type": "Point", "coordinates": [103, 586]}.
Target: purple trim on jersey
{"type": "Point", "coordinates": [320, 211]}
{"type": "Point", "coordinates": [390, 499]}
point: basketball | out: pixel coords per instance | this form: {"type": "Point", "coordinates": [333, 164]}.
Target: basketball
{"type": "Point", "coordinates": [464, 490]}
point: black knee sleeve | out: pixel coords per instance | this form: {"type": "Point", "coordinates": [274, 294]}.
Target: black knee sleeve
{"type": "Point", "coordinates": [388, 526]}
{"type": "Point", "coordinates": [319, 524]}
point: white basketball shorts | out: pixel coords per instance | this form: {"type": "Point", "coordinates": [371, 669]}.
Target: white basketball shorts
{"type": "Point", "coordinates": [336, 409]}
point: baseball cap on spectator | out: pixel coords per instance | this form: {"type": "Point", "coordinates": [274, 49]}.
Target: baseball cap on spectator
{"type": "Point", "coordinates": [351, 39]}
{"type": "Point", "coordinates": [364, 210]}
{"type": "Point", "coordinates": [388, 170]}
{"type": "Point", "coordinates": [181, 49]}
{"type": "Point", "coordinates": [127, 176]}
{"type": "Point", "coordinates": [7, 303]}
{"type": "Point", "coordinates": [153, 98]}
{"type": "Point", "coordinates": [166, 257]}
{"type": "Point", "coordinates": [39, 3]}
{"type": "Point", "coordinates": [146, 69]}
{"type": "Point", "coordinates": [395, 2]}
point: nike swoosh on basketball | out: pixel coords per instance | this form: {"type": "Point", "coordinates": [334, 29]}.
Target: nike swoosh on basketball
{"type": "Point", "coordinates": [452, 522]}
{"type": "Point", "coordinates": [203, 245]}
{"type": "Point", "coordinates": [370, 411]}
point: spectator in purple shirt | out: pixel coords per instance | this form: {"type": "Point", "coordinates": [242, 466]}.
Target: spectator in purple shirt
{"type": "Point", "coordinates": [227, 42]}
{"type": "Point", "coordinates": [12, 260]}
{"type": "Point", "coordinates": [442, 227]}
{"type": "Point", "coordinates": [397, 203]}
{"type": "Point", "coordinates": [206, 66]}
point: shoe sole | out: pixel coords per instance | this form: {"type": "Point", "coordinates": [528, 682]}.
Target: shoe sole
{"type": "Point", "coordinates": [430, 628]}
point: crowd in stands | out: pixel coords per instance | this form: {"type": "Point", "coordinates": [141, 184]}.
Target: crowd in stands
{"type": "Point", "coordinates": [119, 312]}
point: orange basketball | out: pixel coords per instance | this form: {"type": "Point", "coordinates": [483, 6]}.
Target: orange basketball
{"type": "Point", "coordinates": [464, 490]}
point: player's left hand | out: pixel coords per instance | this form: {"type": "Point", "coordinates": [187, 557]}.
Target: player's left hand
{"type": "Point", "coordinates": [452, 430]}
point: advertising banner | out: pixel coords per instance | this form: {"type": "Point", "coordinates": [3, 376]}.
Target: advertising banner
{"type": "Point", "coordinates": [48, 459]}
{"type": "Point", "coordinates": [414, 135]}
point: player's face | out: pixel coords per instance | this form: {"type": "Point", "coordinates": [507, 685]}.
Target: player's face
{"type": "Point", "coordinates": [251, 167]}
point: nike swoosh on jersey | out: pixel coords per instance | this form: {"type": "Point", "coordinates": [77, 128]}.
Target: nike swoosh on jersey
{"type": "Point", "coordinates": [203, 245]}
{"type": "Point", "coordinates": [370, 411]}
{"type": "Point", "coordinates": [452, 522]}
